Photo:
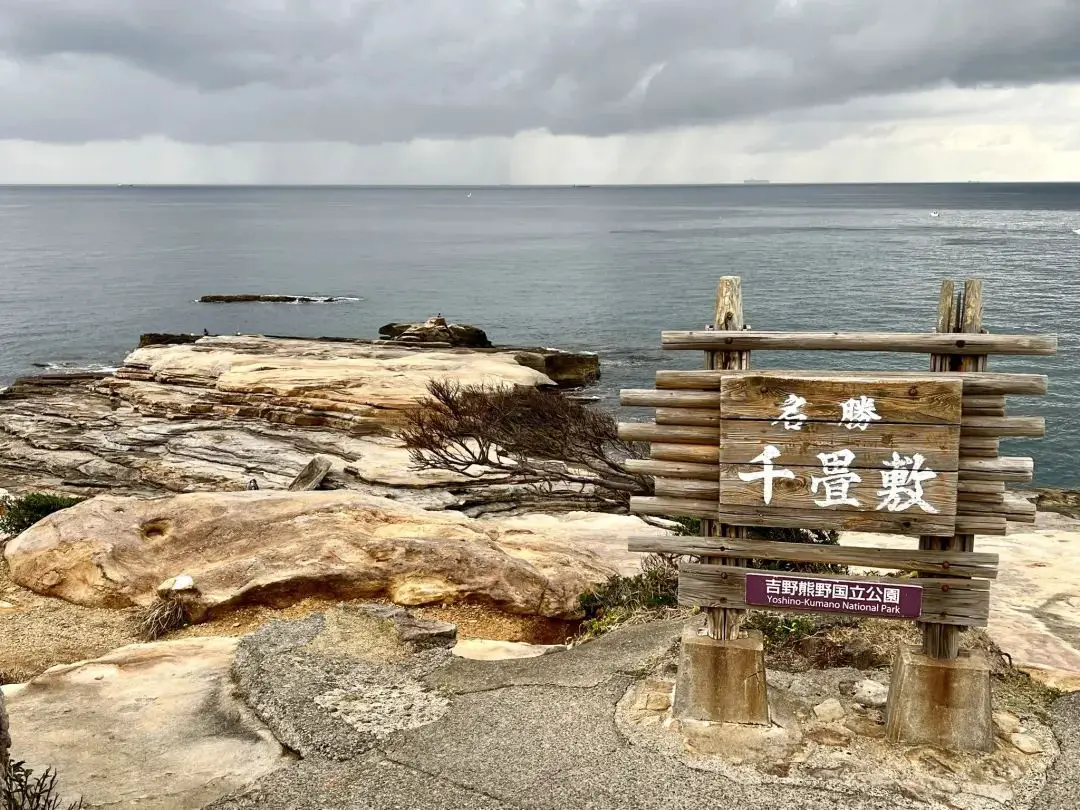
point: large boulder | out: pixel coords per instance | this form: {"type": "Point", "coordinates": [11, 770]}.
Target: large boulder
{"type": "Point", "coordinates": [278, 547]}
{"type": "Point", "coordinates": [437, 330]}
{"type": "Point", "coordinates": [154, 726]}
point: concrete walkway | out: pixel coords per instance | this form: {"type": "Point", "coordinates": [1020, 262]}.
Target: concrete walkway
{"type": "Point", "coordinates": [540, 733]}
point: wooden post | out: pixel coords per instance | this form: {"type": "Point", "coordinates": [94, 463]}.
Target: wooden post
{"type": "Point", "coordinates": [957, 312]}
{"type": "Point", "coordinates": [722, 623]}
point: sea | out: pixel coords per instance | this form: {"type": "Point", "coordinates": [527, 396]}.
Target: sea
{"type": "Point", "coordinates": [85, 270]}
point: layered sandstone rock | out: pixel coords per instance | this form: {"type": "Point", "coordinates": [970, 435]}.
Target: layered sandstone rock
{"type": "Point", "coordinates": [278, 547]}
{"type": "Point", "coordinates": [216, 412]}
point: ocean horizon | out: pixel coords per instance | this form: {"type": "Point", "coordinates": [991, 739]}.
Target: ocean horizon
{"type": "Point", "coordinates": [604, 268]}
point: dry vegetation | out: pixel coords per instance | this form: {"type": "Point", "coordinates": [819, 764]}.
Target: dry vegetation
{"type": "Point", "coordinates": [525, 436]}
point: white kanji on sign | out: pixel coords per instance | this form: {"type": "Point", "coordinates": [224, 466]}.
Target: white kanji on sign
{"type": "Point", "coordinates": [836, 479]}
{"type": "Point", "coordinates": [858, 413]}
{"type": "Point", "coordinates": [768, 472]}
{"type": "Point", "coordinates": [901, 484]}
{"type": "Point", "coordinates": [791, 415]}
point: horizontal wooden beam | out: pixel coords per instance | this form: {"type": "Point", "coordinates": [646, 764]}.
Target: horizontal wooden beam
{"type": "Point", "coordinates": [702, 462]}
{"type": "Point", "coordinates": [674, 507]}
{"type": "Point", "coordinates": [688, 488]}
{"type": "Point", "coordinates": [976, 383]}
{"type": "Point", "coordinates": [650, 398]}
{"type": "Point", "coordinates": [697, 417]}
{"type": "Point", "coordinates": [964, 602]}
{"type": "Point", "coordinates": [812, 519]}
{"type": "Point", "coordinates": [674, 399]}
{"type": "Point", "coordinates": [1005, 468]}
{"type": "Point", "coordinates": [952, 563]}
{"type": "Point", "coordinates": [1012, 507]}
{"type": "Point", "coordinates": [917, 342]}
{"type": "Point", "coordinates": [674, 469]}
{"type": "Point", "coordinates": [979, 497]}
{"type": "Point", "coordinates": [667, 434]}
{"type": "Point", "coordinates": [693, 453]}
{"type": "Point", "coordinates": [972, 403]}
{"type": "Point", "coordinates": [980, 487]}
{"type": "Point", "coordinates": [1034, 426]}
{"type": "Point", "coordinates": [993, 525]}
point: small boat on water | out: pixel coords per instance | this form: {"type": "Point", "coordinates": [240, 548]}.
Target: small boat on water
{"type": "Point", "coordinates": [935, 214]}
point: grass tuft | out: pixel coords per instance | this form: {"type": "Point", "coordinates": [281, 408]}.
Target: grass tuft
{"type": "Point", "coordinates": [163, 616]}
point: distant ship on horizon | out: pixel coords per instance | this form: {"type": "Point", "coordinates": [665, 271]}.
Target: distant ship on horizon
{"type": "Point", "coordinates": [753, 182]}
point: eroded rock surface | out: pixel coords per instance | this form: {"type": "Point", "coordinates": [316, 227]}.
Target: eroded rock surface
{"type": "Point", "coordinates": [215, 412]}
{"type": "Point", "coordinates": [153, 726]}
{"type": "Point", "coordinates": [277, 547]}
{"type": "Point", "coordinates": [335, 684]}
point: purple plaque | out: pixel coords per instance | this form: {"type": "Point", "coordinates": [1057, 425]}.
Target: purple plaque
{"type": "Point", "coordinates": [885, 600]}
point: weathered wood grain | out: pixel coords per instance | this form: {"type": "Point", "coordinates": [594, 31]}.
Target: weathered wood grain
{"type": "Point", "coordinates": [973, 404]}
{"type": "Point", "coordinates": [667, 434]}
{"type": "Point", "coordinates": [992, 525]}
{"type": "Point", "coordinates": [982, 383]}
{"type": "Point", "coordinates": [943, 640]}
{"type": "Point", "coordinates": [979, 497]}
{"type": "Point", "coordinates": [721, 623]}
{"type": "Point", "coordinates": [675, 507]}
{"type": "Point", "coordinates": [693, 453]}
{"type": "Point", "coordinates": [817, 518]}
{"type": "Point", "coordinates": [675, 469]}
{"type": "Point", "coordinates": [963, 486]}
{"type": "Point", "coordinates": [687, 488]}
{"type": "Point", "coordinates": [909, 522]}
{"type": "Point", "coordinates": [650, 398]}
{"type": "Point", "coordinates": [979, 446]}
{"type": "Point", "coordinates": [1034, 426]}
{"type": "Point", "coordinates": [932, 562]}
{"type": "Point", "coordinates": [742, 440]}
{"type": "Point", "coordinates": [920, 400]}
{"type": "Point", "coordinates": [1011, 506]}
{"type": "Point", "coordinates": [911, 342]}
{"type": "Point", "coordinates": [697, 417]}
{"type": "Point", "coordinates": [797, 492]}
{"type": "Point", "coordinates": [700, 461]}
{"type": "Point", "coordinates": [1005, 468]}
{"type": "Point", "coordinates": [948, 601]}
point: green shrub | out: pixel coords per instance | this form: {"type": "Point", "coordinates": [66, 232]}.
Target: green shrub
{"type": "Point", "coordinates": [21, 790]}
{"type": "Point", "coordinates": [651, 594]}
{"type": "Point", "coordinates": [22, 512]}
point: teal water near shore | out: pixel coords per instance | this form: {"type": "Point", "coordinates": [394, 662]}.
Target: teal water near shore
{"type": "Point", "coordinates": [83, 271]}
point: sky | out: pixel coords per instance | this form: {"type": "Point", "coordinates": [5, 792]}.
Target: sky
{"type": "Point", "coordinates": [538, 91]}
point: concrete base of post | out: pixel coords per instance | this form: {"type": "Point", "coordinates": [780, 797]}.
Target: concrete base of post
{"type": "Point", "coordinates": [721, 681]}
{"type": "Point", "coordinates": [941, 703]}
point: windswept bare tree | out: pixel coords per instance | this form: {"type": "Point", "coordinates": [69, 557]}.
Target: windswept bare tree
{"type": "Point", "coordinates": [525, 436]}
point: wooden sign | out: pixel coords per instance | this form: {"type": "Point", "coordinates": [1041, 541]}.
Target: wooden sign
{"type": "Point", "coordinates": [852, 452]}
{"type": "Point", "coordinates": [819, 595]}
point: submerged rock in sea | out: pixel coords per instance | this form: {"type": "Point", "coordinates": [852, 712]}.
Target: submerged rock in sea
{"type": "Point", "coordinates": [437, 330]}
{"type": "Point", "coordinates": [279, 547]}
{"type": "Point", "coordinates": [250, 298]}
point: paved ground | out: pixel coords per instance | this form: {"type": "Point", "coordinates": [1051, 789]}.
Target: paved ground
{"type": "Point", "coordinates": [540, 733]}
{"type": "Point", "coordinates": [1062, 791]}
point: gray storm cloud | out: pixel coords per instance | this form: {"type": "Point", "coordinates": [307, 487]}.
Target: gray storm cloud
{"type": "Point", "coordinates": [373, 71]}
